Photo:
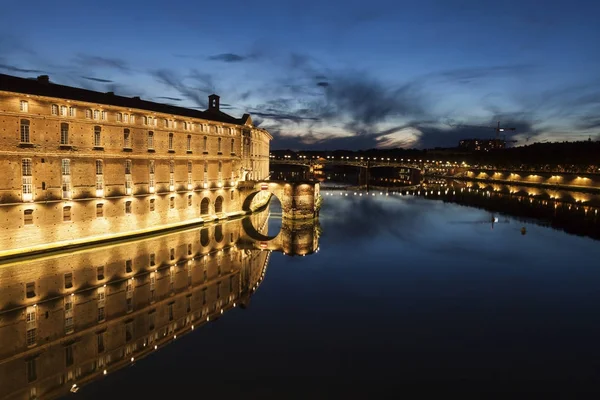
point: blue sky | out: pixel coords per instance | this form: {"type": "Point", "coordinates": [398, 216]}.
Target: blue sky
{"type": "Point", "coordinates": [326, 75]}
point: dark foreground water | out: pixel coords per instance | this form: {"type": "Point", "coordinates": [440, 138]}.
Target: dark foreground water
{"type": "Point", "coordinates": [404, 291]}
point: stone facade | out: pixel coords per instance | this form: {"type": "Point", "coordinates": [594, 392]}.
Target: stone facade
{"type": "Point", "coordinates": [89, 164]}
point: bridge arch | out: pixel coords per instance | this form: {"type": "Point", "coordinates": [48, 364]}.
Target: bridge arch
{"type": "Point", "coordinates": [298, 200]}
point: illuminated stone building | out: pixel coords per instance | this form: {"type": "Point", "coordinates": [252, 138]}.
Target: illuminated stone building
{"type": "Point", "coordinates": [71, 318]}
{"type": "Point", "coordinates": [77, 163]}
{"type": "Point", "coordinates": [482, 144]}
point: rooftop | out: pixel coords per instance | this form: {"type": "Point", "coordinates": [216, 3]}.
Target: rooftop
{"type": "Point", "coordinates": [43, 87]}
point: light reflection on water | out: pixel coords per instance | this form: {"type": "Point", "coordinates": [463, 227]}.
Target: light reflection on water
{"type": "Point", "coordinates": [405, 288]}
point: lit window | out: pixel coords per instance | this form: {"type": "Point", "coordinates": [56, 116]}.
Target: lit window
{"type": "Point", "coordinates": [66, 178]}
{"type": "Point", "coordinates": [152, 206]}
{"type": "Point", "coordinates": [64, 133]}
{"type": "Point", "coordinates": [88, 113]}
{"type": "Point", "coordinates": [54, 109]}
{"type": "Point", "coordinates": [170, 141]}
{"type": "Point", "coordinates": [219, 146]}
{"type": "Point", "coordinates": [99, 210]}
{"type": "Point", "coordinates": [104, 115]}
{"type": "Point", "coordinates": [25, 131]}
{"type": "Point", "coordinates": [96, 114]}
{"type": "Point", "coordinates": [126, 118]}
{"type": "Point", "coordinates": [27, 179]}
{"type": "Point", "coordinates": [119, 117]}
{"type": "Point", "coordinates": [150, 140]}
{"type": "Point", "coordinates": [232, 146]}
{"type": "Point", "coordinates": [189, 143]}
{"type": "Point", "coordinates": [68, 280]}
{"type": "Point", "coordinates": [127, 207]}
{"type": "Point", "coordinates": [126, 139]}
{"type": "Point", "coordinates": [100, 272]}
{"type": "Point", "coordinates": [205, 144]}
{"type": "Point", "coordinates": [98, 136]}
{"type": "Point", "coordinates": [172, 202]}
{"type": "Point", "coordinates": [24, 106]}
{"type": "Point", "coordinates": [132, 119]}
{"type": "Point", "coordinates": [72, 112]}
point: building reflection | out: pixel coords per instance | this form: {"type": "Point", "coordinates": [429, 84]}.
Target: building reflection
{"type": "Point", "coordinates": [67, 319]}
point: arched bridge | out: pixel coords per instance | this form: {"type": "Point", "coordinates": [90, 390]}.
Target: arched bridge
{"type": "Point", "coordinates": [299, 200]}
{"type": "Point", "coordinates": [353, 163]}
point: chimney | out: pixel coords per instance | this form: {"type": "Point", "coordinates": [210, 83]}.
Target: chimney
{"type": "Point", "coordinates": [137, 98]}
{"type": "Point", "coordinates": [44, 79]}
{"type": "Point", "coordinates": [213, 102]}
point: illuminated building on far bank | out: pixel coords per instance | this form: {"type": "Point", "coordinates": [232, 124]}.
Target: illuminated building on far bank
{"type": "Point", "coordinates": [77, 163]}
{"type": "Point", "coordinates": [482, 144]}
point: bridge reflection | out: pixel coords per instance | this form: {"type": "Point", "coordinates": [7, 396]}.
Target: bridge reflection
{"type": "Point", "coordinates": [69, 318]}
{"type": "Point", "coordinates": [573, 212]}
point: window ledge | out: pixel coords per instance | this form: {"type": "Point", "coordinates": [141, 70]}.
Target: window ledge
{"type": "Point", "coordinates": [101, 148]}
{"type": "Point", "coordinates": [151, 151]}
{"type": "Point", "coordinates": [65, 146]}
{"type": "Point", "coordinates": [205, 152]}
{"type": "Point", "coordinates": [171, 151]}
{"type": "Point", "coordinates": [127, 149]}
{"type": "Point", "coordinates": [25, 144]}
{"type": "Point", "coordinates": [189, 152]}
{"type": "Point", "coordinates": [219, 153]}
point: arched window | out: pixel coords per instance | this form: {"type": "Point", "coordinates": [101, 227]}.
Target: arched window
{"type": "Point", "coordinates": [204, 205]}
{"type": "Point", "coordinates": [25, 131]}
{"type": "Point", "coordinates": [98, 136]}
{"type": "Point", "coordinates": [64, 133]}
{"type": "Point", "coordinates": [205, 144]}
{"type": "Point", "coordinates": [189, 143]}
{"type": "Point", "coordinates": [219, 205]}
{"type": "Point", "coordinates": [232, 146]}
{"type": "Point", "coordinates": [219, 145]}
{"type": "Point", "coordinates": [170, 141]}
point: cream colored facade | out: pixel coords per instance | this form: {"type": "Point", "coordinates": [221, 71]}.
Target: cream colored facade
{"type": "Point", "coordinates": [73, 168]}
{"type": "Point", "coordinates": [72, 318]}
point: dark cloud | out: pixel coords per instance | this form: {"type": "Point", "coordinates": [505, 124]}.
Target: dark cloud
{"type": "Point", "coordinates": [466, 75]}
{"type": "Point", "coordinates": [174, 81]}
{"type": "Point", "coordinates": [169, 98]}
{"type": "Point", "coordinates": [449, 136]}
{"type": "Point", "coordinates": [284, 117]}
{"type": "Point", "coordinates": [245, 95]}
{"type": "Point", "coordinates": [229, 57]}
{"type": "Point", "coordinates": [89, 61]}
{"type": "Point", "coordinates": [97, 79]}
{"type": "Point", "coordinates": [323, 84]}
{"type": "Point", "coordinates": [17, 69]}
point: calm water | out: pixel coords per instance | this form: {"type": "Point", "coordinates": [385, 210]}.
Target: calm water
{"type": "Point", "coordinates": [403, 290]}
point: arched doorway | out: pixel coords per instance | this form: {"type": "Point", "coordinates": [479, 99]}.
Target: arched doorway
{"type": "Point", "coordinates": [204, 205]}
{"type": "Point", "coordinates": [219, 205]}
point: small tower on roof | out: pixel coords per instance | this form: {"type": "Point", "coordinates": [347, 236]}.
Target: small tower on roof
{"type": "Point", "coordinates": [213, 102]}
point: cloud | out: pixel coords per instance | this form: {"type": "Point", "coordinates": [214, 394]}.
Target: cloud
{"type": "Point", "coordinates": [89, 61]}
{"type": "Point", "coordinates": [97, 79]}
{"type": "Point", "coordinates": [169, 98]}
{"type": "Point", "coordinates": [174, 81]}
{"type": "Point", "coordinates": [17, 69]}
{"type": "Point", "coordinates": [230, 57]}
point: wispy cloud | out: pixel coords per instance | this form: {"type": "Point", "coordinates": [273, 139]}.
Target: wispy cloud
{"type": "Point", "coordinates": [90, 61]}
{"type": "Point", "coordinates": [97, 79]}
{"type": "Point", "coordinates": [12, 68]}
{"type": "Point", "coordinates": [169, 98]}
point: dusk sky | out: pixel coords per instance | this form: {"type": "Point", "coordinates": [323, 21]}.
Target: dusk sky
{"type": "Point", "coordinates": [327, 75]}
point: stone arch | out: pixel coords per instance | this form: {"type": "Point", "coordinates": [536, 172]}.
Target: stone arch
{"type": "Point", "coordinates": [205, 206]}
{"type": "Point", "coordinates": [219, 205]}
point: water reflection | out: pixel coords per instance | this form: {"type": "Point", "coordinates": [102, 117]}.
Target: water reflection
{"type": "Point", "coordinates": [572, 212]}
{"type": "Point", "coordinates": [70, 318]}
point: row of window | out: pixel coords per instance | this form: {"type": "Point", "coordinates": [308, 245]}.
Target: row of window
{"type": "Point", "coordinates": [64, 138]}
{"type": "Point", "coordinates": [204, 208]}
{"type": "Point", "coordinates": [127, 118]}
{"type": "Point", "coordinates": [27, 177]}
